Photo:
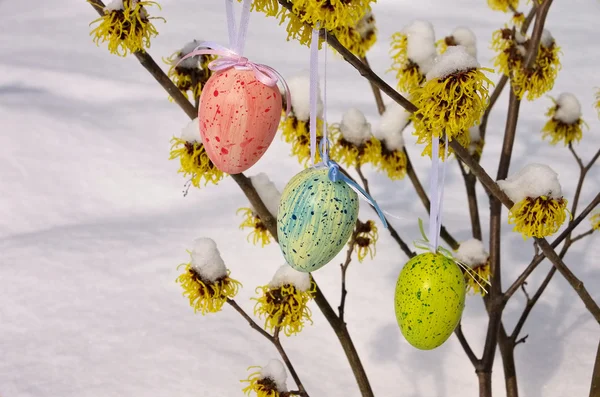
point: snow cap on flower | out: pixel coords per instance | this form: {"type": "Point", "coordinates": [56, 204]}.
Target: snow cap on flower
{"type": "Point", "coordinates": [207, 261]}
{"type": "Point", "coordinates": [354, 127]}
{"type": "Point", "coordinates": [191, 62]}
{"type": "Point", "coordinates": [534, 180]}
{"type": "Point", "coordinates": [267, 191]}
{"type": "Point", "coordinates": [288, 275]}
{"type": "Point", "coordinates": [299, 86]}
{"type": "Point", "coordinates": [275, 371]}
{"type": "Point", "coordinates": [568, 108]}
{"type": "Point", "coordinates": [547, 38]}
{"type": "Point", "coordinates": [421, 44]}
{"type": "Point", "coordinates": [115, 5]}
{"type": "Point", "coordinates": [465, 37]}
{"type": "Point", "coordinates": [471, 252]}
{"type": "Point", "coordinates": [391, 124]}
{"type": "Point", "coordinates": [191, 132]}
{"type": "Point", "coordinates": [455, 59]}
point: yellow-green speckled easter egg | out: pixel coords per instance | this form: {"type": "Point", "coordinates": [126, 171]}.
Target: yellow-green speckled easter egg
{"type": "Point", "coordinates": [430, 297]}
{"type": "Point", "coordinates": [315, 219]}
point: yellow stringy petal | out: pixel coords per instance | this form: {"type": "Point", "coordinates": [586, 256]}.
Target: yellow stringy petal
{"type": "Point", "coordinates": [262, 386]}
{"type": "Point", "coordinates": [558, 131]}
{"type": "Point", "coordinates": [540, 79]}
{"type": "Point", "coordinates": [126, 30]}
{"type": "Point", "coordinates": [503, 5]}
{"type": "Point", "coordinates": [595, 220]}
{"type": "Point", "coordinates": [393, 163]}
{"type": "Point", "coordinates": [205, 296]}
{"type": "Point", "coordinates": [479, 276]}
{"type": "Point", "coordinates": [297, 133]}
{"type": "Point", "coordinates": [259, 232]}
{"type": "Point", "coordinates": [518, 19]}
{"type": "Point", "coordinates": [186, 78]}
{"type": "Point", "coordinates": [331, 14]}
{"type": "Point", "coordinates": [194, 162]}
{"type": "Point", "coordinates": [597, 104]}
{"type": "Point", "coordinates": [284, 307]}
{"type": "Point", "coordinates": [408, 74]}
{"type": "Point", "coordinates": [360, 38]}
{"type": "Point", "coordinates": [350, 155]}
{"type": "Point", "coordinates": [450, 105]}
{"type": "Point", "coordinates": [463, 138]}
{"type": "Point", "coordinates": [538, 217]}
{"type": "Point", "coordinates": [365, 240]}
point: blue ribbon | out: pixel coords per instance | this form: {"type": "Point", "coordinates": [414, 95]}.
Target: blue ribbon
{"type": "Point", "coordinates": [335, 175]}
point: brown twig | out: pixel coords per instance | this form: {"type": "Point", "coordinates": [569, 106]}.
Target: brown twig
{"type": "Point", "coordinates": [274, 339]}
{"type": "Point", "coordinates": [595, 387]}
{"type": "Point", "coordinates": [470, 183]}
{"type": "Point", "coordinates": [288, 362]}
{"type": "Point", "coordinates": [466, 347]}
{"type": "Point", "coordinates": [376, 91]}
{"type": "Point", "coordinates": [538, 29]}
{"type": "Point", "coordinates": [344, 268]}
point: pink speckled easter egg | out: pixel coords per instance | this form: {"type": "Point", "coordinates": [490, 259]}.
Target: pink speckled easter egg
{"type": "Point", "coordinates": [238, 118]}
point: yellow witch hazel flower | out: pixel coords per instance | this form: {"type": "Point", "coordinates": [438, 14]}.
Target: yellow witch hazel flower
{"type": "Point", "coordinates": [597, 104]}
{"type": "Point", "coordinates": [539, 208]}
{"type": "Point", "coordinates": [205, 280]}
{"type": "Point", "coordinates": [126, 26]}
{"type": "Point", "coordinates": [352, 142]}
{"type": "Point", "coordinates": [461, 36]}
{"type": "Point", "coordinates": [503, 5]}
{"type": "Point", "coordinates": [193, 158]}
{"type": "Point", "coordinates": [358, 38]}
{"type": "Point", "coordinates": [472, 254]}
{"type": "Point", "coordinates": [413, 53]}
{"type": "Point", "coordinates": [452, 100]}
{"type": "Point", "coordinates": [565, 124]}
{"type": "Point", "coordinates": [296, 127]}
{"type": "Point", "coordinates": [270, 196]}
{"type": "Point", "coordinates": [283, 302]}
{"type": "Point", "coordinates": [192, 73]}
{"type": "Point", "coordinates": [365, 239]}
{"type": "Point", "coordinates": [392, 157]}
{"type": "Point", "coordinates": [268, 381]}
{"type": "Point", "coordinates": [536, 80]}
{"type": "Point", "coordinates": [595, 220]}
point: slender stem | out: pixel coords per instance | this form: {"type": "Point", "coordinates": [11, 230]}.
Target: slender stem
{"type": "Point", "coordinates": [575, 283]}
{"type": "Point", "coordinates": [538, 29]}
{"type": "Point", "coordinates": [595, 388]}
{"type": "Point", "coordinates": [364, 180]}
{"type": "Point", "coordinates": [465, 345]}
{"type": "Point", "coordinates": [538, 258]}
{"type": "Point", "coordinates": [376, 91]}
{"type": "Point", "coordinates": [344, 268]}
{"type": "Point", "coordinates": [251, 322]}
{"type": "Point", "coordinates": [288, 363]}
{"type": "Point", "coordinates": [582, 235]}
{"type": "Point", "coordinates": [470, 182]}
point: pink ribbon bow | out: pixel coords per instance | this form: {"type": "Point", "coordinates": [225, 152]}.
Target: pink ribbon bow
{"type": "Point", "coordinates": [230, 59]}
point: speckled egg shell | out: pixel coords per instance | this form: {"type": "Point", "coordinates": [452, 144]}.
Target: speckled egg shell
{"type": "Point", "coordinates": [430, 297]}
{"type": "Point", "coordinates": [315, 219]}
{"type": "Point", "coordinates": [238, 118]}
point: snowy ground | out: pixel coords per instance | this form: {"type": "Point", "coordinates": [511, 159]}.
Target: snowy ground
{"type": "Point", "coordinates": [93, 222]}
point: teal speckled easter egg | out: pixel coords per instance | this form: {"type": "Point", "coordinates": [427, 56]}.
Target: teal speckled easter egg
{"type": "Point", "coordinates": [315, 219]}
{"type": "Point", "coordinates": [430, 297]}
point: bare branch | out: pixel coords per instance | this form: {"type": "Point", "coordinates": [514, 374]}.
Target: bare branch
{"type": "Point", "coordinates": [344, 267]}
{"type": "Point", "coordinates": [522, 340]}
{"type": "Point", "coordinates": [466, 347]}
{"type": "Point", "coordinates": [595, 388]}
{"type": "Point", "coordinates": [288, 362]}
{"type": "Point", "coordinates": [470, 182]}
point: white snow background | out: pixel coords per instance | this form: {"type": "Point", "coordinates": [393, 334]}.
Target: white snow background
{"type": "Point", "coordinates": [93, 222]}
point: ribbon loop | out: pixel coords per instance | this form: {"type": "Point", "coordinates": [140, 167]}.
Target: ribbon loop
{"type": "Point", "coordinates": [230, 59]}
{"type": "Point", "coordinates": [335, 174]}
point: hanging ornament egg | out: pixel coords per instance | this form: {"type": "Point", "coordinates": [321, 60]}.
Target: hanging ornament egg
{"type": "Point", "coordinates": [429, 299]}
{"type": "Point", "coordinates": [315, 219]}
{"type": "Point", "coordinates": [238, 118]}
